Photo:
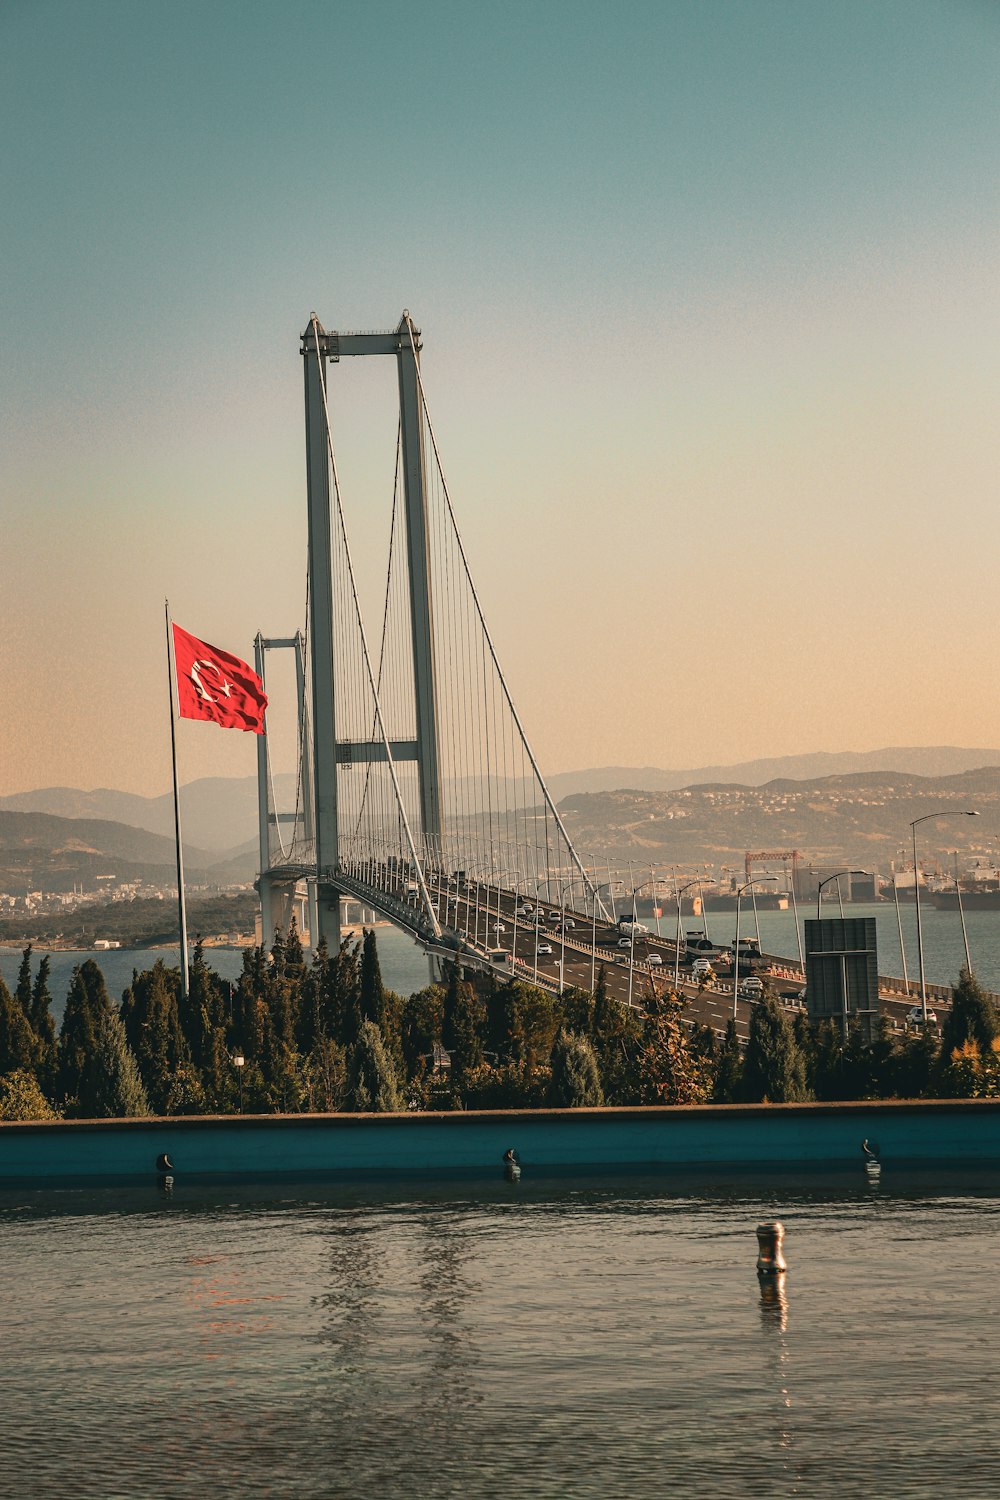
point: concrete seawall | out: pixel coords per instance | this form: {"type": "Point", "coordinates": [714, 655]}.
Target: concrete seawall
{"type": "Point", "coordinates": [793, 1136]}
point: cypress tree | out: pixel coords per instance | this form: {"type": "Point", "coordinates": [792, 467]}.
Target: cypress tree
{"type": "Point", "coordinates": [22, 993]}
{"type": "Point", "coordinates": [44, 1027]}
{"type": "Point", "coordinates": [325, 1076]}
{"type": "Point", "coordinates": [576, 1080]}
{"type": "Point", "coordinates": [371, 1078]}
{"type": "Point", "coordinates": [17, 1040]}
{"type": "Point", "coordinates": [728, 1068]}
{"type": "Point", "coordinates": [87, 1005]}
{"type": "Point", "coordinates": [372, 991]}
{"type": "Point", "coordinates": [153, 1030]}
{"type": "Point", "coordinates": [295, 963]}
{"type": "Point", "coordinates": [118, 1088]}
{"type": "Point", "coordinates": [972, 1018]}
{"type": "Point", "coordinates": [468, 1026]}
{"type": "Point", "coordinates": [773, 1067]}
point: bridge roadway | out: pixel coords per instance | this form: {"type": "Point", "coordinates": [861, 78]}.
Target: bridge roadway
{"type": "Point", "coordinates": [479, 919]}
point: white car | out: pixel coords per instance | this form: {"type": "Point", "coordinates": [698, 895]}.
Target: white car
{"type": "Point", "coordinates": [751, 989]}
{"type": "Point", "coordinates": [624, 942]}
{"type": "Point", "coordinates": [524, 911]}
{"type": "Point", "coordinates": [915, 1016]}
{"type": "Point", "coordinates": [544, 948]}
{"type": "Point", "coordinates": [654, 959]}
{"type": "Point", "coordinates": [499, 927]}
{"type": "Point", "coordinates": [702, 969]}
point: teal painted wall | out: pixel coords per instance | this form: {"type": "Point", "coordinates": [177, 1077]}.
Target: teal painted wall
{"type": "Point", "coordinates": [757, 1136]}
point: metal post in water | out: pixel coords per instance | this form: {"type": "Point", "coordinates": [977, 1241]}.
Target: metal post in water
{"type": "Point", "coordinates": [770, 1249]}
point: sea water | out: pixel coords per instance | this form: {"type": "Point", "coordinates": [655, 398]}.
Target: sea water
{"type": "Point", "coordinates": [604, 1337]}
{"type": "Point", "coordinates": [405, 966]}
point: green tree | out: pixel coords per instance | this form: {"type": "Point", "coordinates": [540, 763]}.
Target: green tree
{"type": "Point", "coordinates": [371, 1077]}
{"type": "Point", "coordinates": [324, 1077]}
{"type": "Point", "coordinates": [373, 1007]}
{"type": "Point", "coordinates": [616, 1041]}
{"type": "Point", "coordinates": [917, 1060]}
{"type": "Point", "coordinates": [972, 1018]}
{"type": "Point", "coordinates": [152, 1023]}
{"type": "Point", "coordinates": [22, 992]}
{"type": "Point", "coordinates": [576, 1010]}
{"type": "Point", "coordinates": [22, 1099]}
{"type": "Point", "coordinates": [117, 1087]}
{"type": "Point", "coordinates": [773, 1067]}
{"type": "Point", "coordinates": [17, 1040]}
{"type": "Point", "coordinates": [576, 1079]}
{"type": "Point", "coordinates": [423, 1018]}
{"type": "Point", "coordinates": [44, 1028]}
{"type": "Point", "coordinates": [728, 1081]}
{"type": "Point", "coordinates": [468, 1029]}
{"type": "Point", "coordinates": [671, 1071]}
{"type": "Point", "coordinates": [87, 1005]}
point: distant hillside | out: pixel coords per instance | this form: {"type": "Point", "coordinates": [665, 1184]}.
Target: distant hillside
{"type": "Point", "coordinates": [219, 812]}
{"type": "Point", "coordinates": [862, 819]}
{"type": "Point", "coordinates": [937, 760]}
{"type": "Point", "coordinates": [41, 852]}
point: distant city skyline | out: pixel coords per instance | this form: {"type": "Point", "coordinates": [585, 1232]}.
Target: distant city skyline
{"type": "Point", "coordinates": [710, 321]}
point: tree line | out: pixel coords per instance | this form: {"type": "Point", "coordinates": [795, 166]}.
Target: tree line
{"type": "Point", "coordinates": [326, 1034]}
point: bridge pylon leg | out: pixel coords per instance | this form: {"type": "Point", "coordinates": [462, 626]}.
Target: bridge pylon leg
{"type": "Point", "coordinates": [321, 610]}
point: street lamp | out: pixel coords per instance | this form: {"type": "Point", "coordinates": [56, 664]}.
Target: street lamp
{"type": "Point", "coordinates": [736, 940]}
{"type": "Point", "coordinates": [946, 813]}
{"type": "Point", "coordinates": [835, 876]}
{"type": "Point", "coordinates": [239, 1062]}
{"type": "Point", "coordinates": [677, 943]}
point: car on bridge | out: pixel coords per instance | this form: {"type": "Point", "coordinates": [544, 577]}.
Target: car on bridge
{"type": "Point", "coordinates": [543, 948]}
{"type": "Point", "coordinates": [702, 969]}
{"type": "Point", "coordinates": [751, 989]}
{"type": "Point", "coordinates": [915, 1016]}
{"type": "Point", "coordinates": [654, 959]}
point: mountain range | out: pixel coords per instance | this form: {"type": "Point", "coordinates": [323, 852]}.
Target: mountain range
{"type": "Point", "coordinates": [220, 813]}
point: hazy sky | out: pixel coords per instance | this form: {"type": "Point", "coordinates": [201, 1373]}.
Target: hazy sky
{"type": "Point", "coordinates": [711, 324]}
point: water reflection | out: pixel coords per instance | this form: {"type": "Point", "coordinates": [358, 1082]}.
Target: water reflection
{"type": "Point", "coordinates": [587, 1339]}
{"type": "Point", "coordinates": [774, 1302]}
{"type": "Point", "coordinates": [448, 1290]}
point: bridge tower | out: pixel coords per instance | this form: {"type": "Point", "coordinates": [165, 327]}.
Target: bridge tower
{"type": "Point", "coordinates": [319, 350]}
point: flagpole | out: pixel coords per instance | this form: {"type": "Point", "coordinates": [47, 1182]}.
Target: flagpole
{"type": "Point", "coordinates": [182, 909]}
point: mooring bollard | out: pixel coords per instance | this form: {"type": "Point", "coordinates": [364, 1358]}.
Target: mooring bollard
{"type": "Point", "coordinates": [770, 1254]}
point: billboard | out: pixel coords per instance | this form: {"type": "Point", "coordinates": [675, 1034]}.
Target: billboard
{"type": "Point", "coordinates": [842, 972]}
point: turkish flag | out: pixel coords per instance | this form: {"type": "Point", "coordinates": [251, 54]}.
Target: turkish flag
{"type": "Point", "coordinates": [213, 685]}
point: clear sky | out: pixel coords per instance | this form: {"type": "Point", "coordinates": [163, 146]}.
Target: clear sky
{"type": "Point", "coordinates": [711, 319]}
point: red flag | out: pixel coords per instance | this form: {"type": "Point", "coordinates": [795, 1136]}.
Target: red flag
{"type": "Point", "coordinates": [213, 685]}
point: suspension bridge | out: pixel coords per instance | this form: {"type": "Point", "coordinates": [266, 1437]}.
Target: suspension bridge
{"type": "Point", "coordinates": [418, 793]}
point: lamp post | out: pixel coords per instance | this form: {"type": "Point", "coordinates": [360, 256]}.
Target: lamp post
{"type": "Point", "coordinates": [700, 881]}
{"type": "Point", "coordinates": [239, 1061]}
{"type": "Point", "coordinates": [835, 876]}
{"type": "Point", "coordinates": [795, 919]}
{"type": "Point", "coordinates": [946, 813]}
{"type": "Point", "coordinates": [899, 927]}
{"type": "Point", "coordinates": [736, 940]}
{"type": "Point", "coordinates": [593, 934]}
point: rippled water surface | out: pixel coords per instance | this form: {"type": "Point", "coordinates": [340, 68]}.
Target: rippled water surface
{"type": "Point", "coordinates": [562, 1338]}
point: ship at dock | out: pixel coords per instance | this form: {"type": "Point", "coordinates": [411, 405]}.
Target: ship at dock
{"type": "Point", "coordinates": [971, 900]}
